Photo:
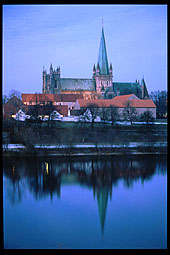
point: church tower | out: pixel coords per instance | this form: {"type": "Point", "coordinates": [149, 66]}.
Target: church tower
{"type": "Point", "coordinates": [102, 73]}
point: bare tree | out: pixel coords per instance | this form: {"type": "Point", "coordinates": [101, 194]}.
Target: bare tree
{"type": "Point", "coordinates": [129, 112]}
{"type": "Point", "coordinates": [94, 110]}
{"type": "Point", "coordinates": [13, 93]}
{"type": "Point", "coordinates": [49, 108]}
{"type": "Point", "coordinates": [5, 99]}
{"type": "Point", "coordinates": [16, 104]}
{"type": "Point", "coordinates": [160, 99]}
{"type": "Point", "coordinates": [104, 114]}
{"type": "Point", "coordinates": [147, 117]}
{"type": "Point", "coordinates": [113, 114]}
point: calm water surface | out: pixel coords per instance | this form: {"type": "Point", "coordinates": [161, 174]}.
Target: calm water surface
{"type": "Point", "coordinates": [111, 202]}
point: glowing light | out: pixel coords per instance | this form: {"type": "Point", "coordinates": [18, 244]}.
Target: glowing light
{"type": "Point", "coordinates": [46, 167]}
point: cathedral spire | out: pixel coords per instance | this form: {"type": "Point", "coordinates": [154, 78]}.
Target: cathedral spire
{"type": "Point", "coordinates": [102, 57]}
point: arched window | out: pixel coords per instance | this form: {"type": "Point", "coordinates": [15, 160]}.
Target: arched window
{"type": "Point", "coordinates": [55, 84]}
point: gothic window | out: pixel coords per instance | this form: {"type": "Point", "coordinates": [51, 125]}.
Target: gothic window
{"type": "Point", "coordinates": [55, 84]}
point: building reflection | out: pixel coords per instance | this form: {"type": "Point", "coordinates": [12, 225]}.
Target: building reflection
{"type": "Point", "coordinates": [102, 198]}
{"type": "Point", "coordinates": [45, 178]}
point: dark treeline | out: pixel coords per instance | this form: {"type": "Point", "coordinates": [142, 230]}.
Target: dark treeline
{"type": "Point", "coordinates": [160, 99]}
{"type": "Point", "coordinates": [44, 175]}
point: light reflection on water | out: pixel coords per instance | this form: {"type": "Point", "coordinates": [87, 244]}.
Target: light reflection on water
{"type": "Point", "coordinates": [109, 202]}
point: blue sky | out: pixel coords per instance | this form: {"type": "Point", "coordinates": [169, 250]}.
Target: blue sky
{"type": "Point", "coordinates": [69, 35]}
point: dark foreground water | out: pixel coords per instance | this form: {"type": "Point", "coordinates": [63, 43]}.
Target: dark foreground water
{"type": "Point", "coordinates": [111, 202]}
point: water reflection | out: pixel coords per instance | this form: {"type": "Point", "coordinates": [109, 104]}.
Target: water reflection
{"type": "Point", "coordinates": [45, 177]}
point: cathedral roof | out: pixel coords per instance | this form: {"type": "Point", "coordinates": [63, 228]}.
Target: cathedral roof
{"type": "Point", "coordinates": [145, 88]}
{"type": "Point", "coordinates": [77, 84]}
{"type": "Point", "coordinates": [102, 57]}
{"type": "Point", "coordinates": [125, 88]}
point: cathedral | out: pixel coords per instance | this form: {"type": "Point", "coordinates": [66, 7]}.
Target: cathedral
{"type": "Point", "coordinates": [101, 85]}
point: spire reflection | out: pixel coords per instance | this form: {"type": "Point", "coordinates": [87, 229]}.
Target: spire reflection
{"type": "Point", "coordinates": [44, 178]}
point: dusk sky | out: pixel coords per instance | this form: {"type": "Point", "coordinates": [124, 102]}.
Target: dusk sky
{"type": "Point", "coordinates": [69, 35]}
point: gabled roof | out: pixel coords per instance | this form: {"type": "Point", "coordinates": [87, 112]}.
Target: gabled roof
{"type": "Point", "coordinates": [124, 88]}
{"type": "Point", "coordinates": [125, 97]}
{"type": "Point", "coordinates": [98, 102]}
{"type": "Point", "coordinates": [37, 97]}
{"type": "Point", "coordinates": [12, 106]}
{"type": "Point", "coordinates": [14, 100]}
{"type": "Point", "coordinates": [118, 101]}
{"type": "Point", "coordinates": [51, 97]}
{"type": "Point", "coordinates": [143, 103]}
{"type": "Point", "coordinates": [102, 57]}
{"type": "Point", "coordinates": [62, 109]}
{"type": "Point", "coordinates": [146, 95]}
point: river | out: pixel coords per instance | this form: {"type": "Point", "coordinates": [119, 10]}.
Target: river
{"type": "Point", "coordinates": [85, 202]}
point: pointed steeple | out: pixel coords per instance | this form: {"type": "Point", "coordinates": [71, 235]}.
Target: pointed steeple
{"type": "Point", "coordinates": [51, 69]}
{"type": "Point", "coordinates": [145, 94]}
{"type": "Point", "coordinates": [102, 57]}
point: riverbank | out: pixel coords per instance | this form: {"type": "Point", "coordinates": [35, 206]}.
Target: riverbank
{"type": "Point", "coordinates": [85, 149]}
{"type": "Point", "coordinates": [69, 139]}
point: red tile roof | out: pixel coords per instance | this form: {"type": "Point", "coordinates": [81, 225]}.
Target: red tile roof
{"type": "Point", "coordinates": [121, 101]}
{"type": "Point", "coordinates": [37, 97]}
{"type": "Point", "coordinates": [51, 97]}
{"type": "Point", "coordinates": [14, 101]}
{"type": "Point", "coordinates": [118, 101]}
{"type": "Point", "coordinates": [143, 103]}
{"type": "Point", "coordinates": [12, 107]}
{"type": "Point", "coordinates": [62, 109]}
{"type": "Point", "coordinates": [123, 97]}
{"type": "Point", "coordinates": [9, 110]}
{"type": "Point", "coordinates": [98, 102]}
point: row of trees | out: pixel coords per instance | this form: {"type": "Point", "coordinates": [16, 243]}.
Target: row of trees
{"type": "Point", "coordinates": [111, 113]}
{"type": "Point", "coordinates": [92, 112]}
{"type": "Point", "coordinates": [12, 93]}
{"type": "Point", "coordinates": [160, 99]}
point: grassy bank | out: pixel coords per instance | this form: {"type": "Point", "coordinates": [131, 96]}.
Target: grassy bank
{"type": "Point", "coordinates": [71, 133]}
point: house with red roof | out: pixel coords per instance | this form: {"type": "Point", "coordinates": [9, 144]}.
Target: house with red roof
{"type": "Point", "coordinates": [12, 107]}
{"type": "Point", "coordinates": [68, 100]}
{"type": "Point", "coordinates": [120, 102]}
